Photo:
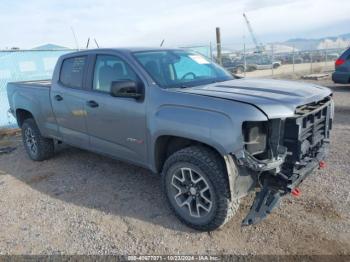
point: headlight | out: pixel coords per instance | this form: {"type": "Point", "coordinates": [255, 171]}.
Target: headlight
{"type": "Point", "coordinates": [255, 137]}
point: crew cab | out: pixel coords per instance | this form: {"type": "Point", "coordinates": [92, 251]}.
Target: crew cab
{"type": "Point", "coordinates": [211, 136]}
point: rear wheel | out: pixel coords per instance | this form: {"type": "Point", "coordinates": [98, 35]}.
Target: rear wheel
{"type": "Point", "coordinates": [37, 147]}
{"type": "Point", "coordinates": [196, 185]}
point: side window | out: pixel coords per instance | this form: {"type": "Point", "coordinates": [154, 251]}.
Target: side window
{"type": "Point", "coordinates": [72, 71]}
{"type": "Point", "coordinates": [152, 65]}
{"type": "Point", "coordinates": [109, 69]}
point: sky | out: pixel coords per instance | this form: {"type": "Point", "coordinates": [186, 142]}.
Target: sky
{"type": "Point", "coordinates": [115, 23]}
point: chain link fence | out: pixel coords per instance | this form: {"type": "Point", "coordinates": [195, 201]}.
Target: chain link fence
{"type": "Point", "coordinates": [21, 65]}
{"type": "Point", "coordinates": [273, 61]}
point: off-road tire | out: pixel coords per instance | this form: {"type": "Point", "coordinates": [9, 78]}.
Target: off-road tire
{"type": "Point", "coordinates": [45, 146]}
{"type": "Point", "coordinates": [214, 170]}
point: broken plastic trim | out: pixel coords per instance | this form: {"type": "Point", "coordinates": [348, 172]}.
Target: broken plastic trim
{"type": "Point", "coordinates": [276, 186]}
{"type": "Point", "coordinates": [246, 159]}
{"type": "Point", "coordinates": [267, 199]}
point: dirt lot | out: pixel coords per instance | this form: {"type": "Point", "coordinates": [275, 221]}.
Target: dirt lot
{"type": "Point", "coordinates": [82, 203]}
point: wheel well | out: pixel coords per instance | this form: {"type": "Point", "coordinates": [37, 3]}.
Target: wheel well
{"type": "Point", "coordinates": [167, 145]}
{"type": "Point", "coordinates": [22, 115]}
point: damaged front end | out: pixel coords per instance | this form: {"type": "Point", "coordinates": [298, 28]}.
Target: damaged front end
{"type": "Point", "coordinates": [281, 153]}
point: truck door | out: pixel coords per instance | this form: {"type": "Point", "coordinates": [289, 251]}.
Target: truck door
{"type": "Point", "coordinates": [68, 103]}
{"type": "Point", "coordinates": [116, 125]}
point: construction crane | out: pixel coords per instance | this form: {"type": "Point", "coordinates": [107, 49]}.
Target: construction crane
{"type": "Point", "coordinates": [259, 47]}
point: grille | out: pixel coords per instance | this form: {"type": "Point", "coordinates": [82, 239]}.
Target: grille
{"type": "Point", "coordinates": [305, 133]}
{"type": "Point", "coordinates": [308, 108]}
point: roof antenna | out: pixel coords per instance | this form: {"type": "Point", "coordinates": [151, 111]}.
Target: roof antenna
{"type": "Point", "coordinates": [75, 38]}
{"type": "Point", "coordinates": [87, 44]}
{"type": "Point", "coordinates": [96, 43]}
{"type": "Point", "coordinates": [161, 44]}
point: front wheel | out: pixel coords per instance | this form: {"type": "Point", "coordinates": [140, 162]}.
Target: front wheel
{"type": "Point", "coordinates": [196, 185]}
{"type": "Point", "coordinates": [38, 147]}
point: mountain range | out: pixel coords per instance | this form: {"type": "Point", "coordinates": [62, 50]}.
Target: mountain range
{"type": "Point", "coordinates": [340, 41]}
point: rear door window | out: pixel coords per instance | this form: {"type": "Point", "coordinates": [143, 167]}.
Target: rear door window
{"type": "Point", "coordinates": [72, 71]}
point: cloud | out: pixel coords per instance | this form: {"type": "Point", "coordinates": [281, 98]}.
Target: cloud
{"type": "Point", "coordinates": [146, 23]}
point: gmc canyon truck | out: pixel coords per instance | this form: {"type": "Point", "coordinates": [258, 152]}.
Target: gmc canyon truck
{"type": "Point", "coordinates": [211, 136]}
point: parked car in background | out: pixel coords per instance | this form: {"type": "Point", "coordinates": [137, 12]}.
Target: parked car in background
{"type": "Point", "coordinates": [290, 59]}
{"type": "Point", "coordinates": [260, 62]}
{"type": "Point", "coordinates": [251, 63]}
{"type": "Point", "coordinates": [235, 66]}
{"type": "Point", "coordinates": [341, 74]}
{"type": "Point", "coordinates": [332, 56]}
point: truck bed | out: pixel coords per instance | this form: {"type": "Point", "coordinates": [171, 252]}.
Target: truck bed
{"type": "Point", "coordinates": [33, 97]}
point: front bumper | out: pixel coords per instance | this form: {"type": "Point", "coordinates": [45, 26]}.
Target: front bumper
{"type": "Point", "coordinates": [274, 187]}
{"type": "Point", "coordinates": [299, 149]}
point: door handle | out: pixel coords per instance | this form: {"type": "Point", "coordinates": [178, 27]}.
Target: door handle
{"type": "Point", "coordinates": [92, 103]}
{"type": "Point", "coordinates": [58, 98]}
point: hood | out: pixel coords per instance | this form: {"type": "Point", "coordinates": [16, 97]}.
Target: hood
{"type": "Point", "coordinates": [276, 98]}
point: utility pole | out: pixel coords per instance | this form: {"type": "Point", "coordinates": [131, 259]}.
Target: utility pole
{"type": "Point", "coordinates": [311, 69]}
{"type": "Point", "coordinates": [272, 58]}
{"type": "Point", "coordinates": [293, 59]}
{"type": "Point", "coordinates": [326, 58]}
{"type": "Point", "coordinates": [218, 45]}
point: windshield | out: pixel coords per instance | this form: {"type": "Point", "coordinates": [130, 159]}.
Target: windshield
{"type": "Point", "coordinates": [179, 68]}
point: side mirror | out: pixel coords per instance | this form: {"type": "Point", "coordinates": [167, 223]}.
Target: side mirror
{"type": "Point", "coordinates": [126, 88]}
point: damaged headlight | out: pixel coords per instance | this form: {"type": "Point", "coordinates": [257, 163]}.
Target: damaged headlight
{"type": "Point", "coordinates": [255, 136]}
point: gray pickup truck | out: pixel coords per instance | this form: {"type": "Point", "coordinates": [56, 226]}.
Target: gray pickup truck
{"type": "Point", "coordinates": [213, 137]}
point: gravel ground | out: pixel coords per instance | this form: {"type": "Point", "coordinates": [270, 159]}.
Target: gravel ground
{"type": "Point", "coordinates": [82, 203]}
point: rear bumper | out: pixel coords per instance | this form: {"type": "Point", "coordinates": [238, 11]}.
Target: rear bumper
{"type": "Point", "coordinates": [341, 77]}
